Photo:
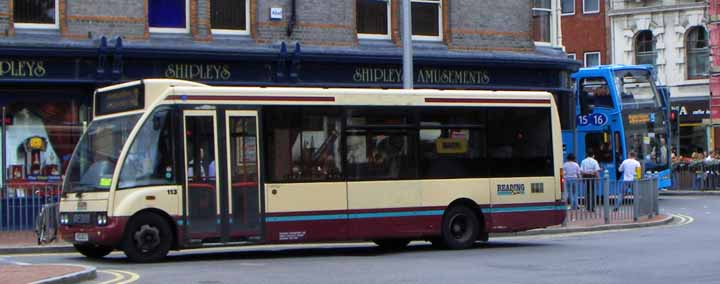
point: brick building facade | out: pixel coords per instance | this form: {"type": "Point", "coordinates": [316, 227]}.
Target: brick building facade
{"type": "Point", "coordinates": [54, 53]}
{"type": "Point", "coordinates": [584, 31]}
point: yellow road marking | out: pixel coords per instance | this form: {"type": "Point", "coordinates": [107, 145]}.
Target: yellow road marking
{"type": "Point", "coordinates": [121, 276]}
{"type": "Point", "coordinates": [118, 276]}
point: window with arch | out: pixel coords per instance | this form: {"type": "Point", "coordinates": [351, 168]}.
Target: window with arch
{"type": "Point", "coordinates": [645, 48]}
{"type": "Point", "coordinates": [698, 53]}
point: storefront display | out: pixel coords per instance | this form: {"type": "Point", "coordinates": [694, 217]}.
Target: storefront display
{"type": "Point", "coordinates": [693, 135]}
{"type": "Point", "coordinates": [40, 134]}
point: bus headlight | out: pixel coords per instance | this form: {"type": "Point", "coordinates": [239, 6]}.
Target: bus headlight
{"type": "Point", "coordinates": [64, 219]}
{"type": "Point", "coordinates": [102, 219]}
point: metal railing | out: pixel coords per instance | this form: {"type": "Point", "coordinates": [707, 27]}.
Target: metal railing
{"type": "Point", "coordinates": [696, 175]}
{"type": "Point", "coordinates": [601, 200]}
{"type": "Point", "coordinates": [21, 204]}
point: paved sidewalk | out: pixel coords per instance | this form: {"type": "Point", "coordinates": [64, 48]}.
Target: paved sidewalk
{"type": "Point", "coordinates": [26, 242]}
{"type": "Point", "coordinates": [12, 272]}
{"type": "Point", "coordinates": [593, 225]}
{"type": "Point", "coordinates": [688, 192]}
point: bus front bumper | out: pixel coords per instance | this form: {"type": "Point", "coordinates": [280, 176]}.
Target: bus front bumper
{"type": "Point", "coordinates": [109, 235]}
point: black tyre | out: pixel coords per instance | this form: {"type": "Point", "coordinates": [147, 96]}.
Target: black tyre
{"type": "Point", "coordinates": [392, 244]}
{"type": "Point", "coordinates": [460, 228]}
{"type": "Point", "coordinates": [93, 251]}
{"type": "Point", "coordinates": [147, 238]}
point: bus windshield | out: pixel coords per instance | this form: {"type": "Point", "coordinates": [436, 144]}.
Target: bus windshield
{"type": "Point", "coordinates": [93, 162]}
{"type": "Point", "coordinates": [636, 86]}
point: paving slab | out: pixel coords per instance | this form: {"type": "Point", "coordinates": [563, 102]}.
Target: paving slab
{"type": "Point", "coordinates": [44, 273]}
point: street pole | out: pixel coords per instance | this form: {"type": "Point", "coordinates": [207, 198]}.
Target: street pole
{"type": "Point", "coordinates": [407, 46]}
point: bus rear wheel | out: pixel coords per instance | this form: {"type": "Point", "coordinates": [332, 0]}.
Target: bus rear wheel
{"type": "Point", "coordinates": [93, 251]}
{"type": "Point", "coordinates": [147, 238]}
{"type": "Point", "coordinates": [460, 228]}
{"type": "Point", "coordinates": [392, 244]}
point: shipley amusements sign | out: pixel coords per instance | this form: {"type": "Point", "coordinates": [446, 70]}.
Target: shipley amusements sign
{"type": "Point", "coordinates": [422, 76]}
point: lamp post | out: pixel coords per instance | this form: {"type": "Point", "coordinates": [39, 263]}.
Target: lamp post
{"type": "Point", "coordinates": [407, 45]}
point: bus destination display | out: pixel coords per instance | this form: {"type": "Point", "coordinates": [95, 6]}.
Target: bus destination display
{"type": "Point", "coordinates": [125, 99]}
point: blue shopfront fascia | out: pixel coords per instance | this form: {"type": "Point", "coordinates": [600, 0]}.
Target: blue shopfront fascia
{"type": "Point", "coordinates": [107, 64]}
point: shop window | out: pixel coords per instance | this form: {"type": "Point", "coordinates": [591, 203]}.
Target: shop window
{"type": "Point", "coordinates": [568, 7]}
{"type": "Point", "coordinates": [149, 161]}
{"type": "Point", "coordinates": [168, 15]}
{"type": "Point", "coordinates": [380, 144]}
{"type": "Point", "coordinates": [452, 144]}
{"type": "Point", "coordinates": [40, 138]}
{"type": "Point", "coordinates": [373, 18]}
{"type": "Point", "coordinates": [230, 16]}
{"type": "Point", "coordinates": [542, 20]}
{"type": "Point", "coordinates": [35, 13]}
{"type": "Point", "coordinates": [303, 144]}
{"type": "Point", "coordinates": [592, 59]}
{"type": "Point", "coordinates": [591, 6]}
{"type": "Point", "coordinates": [697, 53]}
{"type": "Point", "coordinates": [644, 48]}
{"type": "Point", "coordinates": [427, 19]}
{"type": "Point", "coordinates": [519, 142]}
{"type": "Point", "coordinates": [594, 92]}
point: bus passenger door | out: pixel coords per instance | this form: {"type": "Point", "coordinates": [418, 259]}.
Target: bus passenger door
{"type": "Point", "coordinates": [601, 144]}
{"type": "Point", "coordinates": [202, 209]}
{"type": "Point", "coordinates": [243, 172]}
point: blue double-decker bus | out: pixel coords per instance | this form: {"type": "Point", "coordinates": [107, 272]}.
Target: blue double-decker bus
{"type": "Point", "coordinates": [620, 109]}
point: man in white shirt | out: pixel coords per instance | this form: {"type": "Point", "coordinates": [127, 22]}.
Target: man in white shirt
{"type": "Point", "coordinates": [629, 168]}
{"type": "Point", "coordinates": [590, 171]}
{"type": "Point", "coordinates": [589, 167]}
{"type": "Point", "coordinates": [571, 172]}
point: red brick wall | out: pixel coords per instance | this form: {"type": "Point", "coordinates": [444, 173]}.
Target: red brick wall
{"type": "Point", "coordinates": [585, 32]}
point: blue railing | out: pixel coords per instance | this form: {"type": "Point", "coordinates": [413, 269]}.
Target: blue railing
{"type": "Point", "coordinates": [21, 203]}
{"type": "Point", "coordinates": [607, 201]}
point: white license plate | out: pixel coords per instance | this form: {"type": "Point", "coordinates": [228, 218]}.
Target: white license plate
{"type": "Point", "coordinates": [81, 237]}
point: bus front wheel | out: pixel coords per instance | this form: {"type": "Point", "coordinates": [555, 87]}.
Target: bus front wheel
{"type": "Point", "coordinates": [460, 228]}
{"type": "Point", "coordinates": [147, 238]}
{"type": "Point", "coordinates": [92, 251]}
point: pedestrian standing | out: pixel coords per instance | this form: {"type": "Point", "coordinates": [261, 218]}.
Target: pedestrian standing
{"type": "Point", "coordinates": [590, 171]}
{"type": "Point", "coordinates": [571, 173]}
{"type": "Point", "coordinates": [629, 169]}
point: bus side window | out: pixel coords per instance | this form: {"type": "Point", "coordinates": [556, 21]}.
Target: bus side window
{"type": "Point", "coordinates": [149, 160]}
{"type": "Point", "coordinates": [519, 142]}
{"type": "Point", "coordinates": [303, 144]}
{"type": "Point", "coordinates": [380, 144]}
{"type": "Point", "coordinates": [452, 143]}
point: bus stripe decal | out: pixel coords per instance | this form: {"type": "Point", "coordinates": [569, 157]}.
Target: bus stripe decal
{"type": "Point", "coordinates": [480, 101]}
{"type": "Point", "coordinates": [252, 98]}
{"type": "Point", "coordinates": [306, 218]}
{"type": "Point", "coordinates": [320, 217]}
{"type": "Point", "coordinates": [523, 209]}
{"type": "Point", "coordinates": [395, 214]}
